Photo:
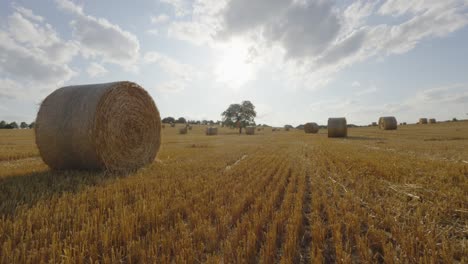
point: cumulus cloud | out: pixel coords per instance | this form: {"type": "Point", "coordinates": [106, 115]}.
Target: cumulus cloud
{"type": "Point", "coordinates": [180, 74]}
{"type": "Point", "coordinates": [319, 38]}
{"type": "Point", "coordinates": [160, 19]}
{"type": "Point", "coordinates": [32, 55]}
{"type": "Point", "coordinates": [100, 38]}
{"type": "Point", "coordinates": [96, 70]}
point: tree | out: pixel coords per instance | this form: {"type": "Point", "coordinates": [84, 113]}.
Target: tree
{"type": "Point", "coordinates": [12, 125]}
{"type": "Point", "coordinates": [239, 115]}
{"type": "Point", "coordinates": [32, 125]}
{"type": "Point", "coordinates": [23, 125]}
{"type": "Point", "coordinates": [168, 120]}
{"type": "Point", "coordinates": [181, 120]}
{"type": "Point", "coordinates": [2, 124]}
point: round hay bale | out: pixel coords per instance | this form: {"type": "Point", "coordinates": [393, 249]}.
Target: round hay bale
{"type": "Point", "coordinates": [183, 130]}
{"type": "Point", "coordinates": [250, 130]}
{"type": "Point", "coordinates": [388, 123]}
{"type": "Point", "coordinates": [273, 129]}
{"type": "Point", "coordinates": [172, 124]}
{"type": "Point", "coordinates": [189, 127]}
{"type": "Point", "coordinates": [422, 121]}
{"type": "Point", "coordinates": [337, 127]}
{"type": "Point", "coordinates": [404, 123]}
{"type": "Point", "coordinates": [114, 126]}
{"type": "Point", "coordinates": [163, 126]}
{"type": "Point", "coordinates": [374, 123]}
{"type": "Point", "coordinates": [259, 129]}
{"type": "Point", "coordinates": [211, 131]}
{"type": "Point", "coordinates": [311, 128]}
{"type": "Point", "coordinates": [432, 121]}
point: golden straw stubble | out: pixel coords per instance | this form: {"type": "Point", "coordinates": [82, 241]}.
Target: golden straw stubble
{"type": "Point", "coordinates": [114, 126]}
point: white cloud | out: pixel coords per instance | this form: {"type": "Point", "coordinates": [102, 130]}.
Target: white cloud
{"type": "Point", "coordinates": [33, 57]}
{"type": "Point", "coordinates": [317, 39]}
{"type": "Point", "coordinates": [153, 32]}
{"type": "Point", "coordinates": [180, 74]}
{"type": "Point", "coordinates": [356, 84]}
{"type": "Point", "coordinates": [160, 19]}
{"type": "Point", "coordinates": [372, 89]}
{"type": "Point", "coordinates": [96, 70]}
{"type": "Point", "coordinates": [181, 7]}
{"type": "Point", "coordinates": [100, 38]}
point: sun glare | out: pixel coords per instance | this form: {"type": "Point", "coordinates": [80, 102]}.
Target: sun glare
{"type": "Point", "coordinates": [233, 67]}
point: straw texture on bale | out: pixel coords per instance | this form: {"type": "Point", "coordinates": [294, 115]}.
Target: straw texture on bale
{"type": "Point", "coordinates": [211, 131]}
{"type": "Point", "coordinates": [114, 126]}
{"type": "Point", "coordinates": [311, 128]}
{"type": "Point", "coordinates": [337, 127]}
{"type": "Point", "coordinates": [250, 130]}
{"type": "Point", "coordinates": [422, 120]}
{"type": "Point", "coordinates": [432, 121]}
{"type": "Point", "coordinates": [183, 130]}
{"type": "Point", "coordinates": [388, 123]}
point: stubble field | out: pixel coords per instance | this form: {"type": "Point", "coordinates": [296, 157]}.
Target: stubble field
{"type": "Point", "coordinates": [274, 197]}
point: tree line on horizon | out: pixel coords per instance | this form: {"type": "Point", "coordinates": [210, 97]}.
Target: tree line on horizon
{"type": "Point", "coordinates": [14, 125]}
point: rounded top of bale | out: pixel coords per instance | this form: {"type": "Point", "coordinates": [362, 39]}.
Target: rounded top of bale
{"type": "Point", "coordinates": [113, 126]}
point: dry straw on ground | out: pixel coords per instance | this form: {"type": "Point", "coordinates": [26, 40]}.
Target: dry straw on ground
{"type": "Point", "coordinates": [211, 131]}
{"type": "Point", "coordinates": [311, 128]}
{"type": "Point", "coordinates": [388, 123]}
{"type": "Point", "coordinates": [183, 130]}
{"type": "Point", "coordinates": [432, 121]}
{"type": "Point", "coordinates": [422, 121]}
{"type": "Point", "coordinates": [337, 127]}
{"type": "Point", "coordinates": [250, 130]}
{"type": "Point", "coordinates": [114, 126]}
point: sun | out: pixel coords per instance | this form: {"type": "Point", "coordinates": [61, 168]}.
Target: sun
{"type": "Point", "coordinates": [232, 65]}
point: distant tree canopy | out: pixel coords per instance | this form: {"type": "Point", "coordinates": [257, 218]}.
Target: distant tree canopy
{"type": "Point", "coordinates": [32, 125]}
{"type": "Point", "coordinates": [239, 115]}
{"type": "Point", "coordinates": [181, 120]}
{"type": "Point", "coordinates": [14, 125]}
{"type": "Point", "coordinates": [2, 124]}
{"type": "Point", "coordinates": [288, 126]}
{"type": "Point", "coordinates": [168, 120]}
{"type": "Point", "coordinates": [23, 125]}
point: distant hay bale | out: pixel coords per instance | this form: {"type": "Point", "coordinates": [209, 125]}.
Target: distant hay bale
{"type": "Point", "coordinates": [422, 121]}
{"type": "Point", "coordinates": [311, 128]}
{"type": "Point", "coordinates": [211, 131]}
{"type": "Point", "coordinates": [432, 121]}
{"type": "Point", "coordinates": [172, 124]}
{"type": "Point", "coordinates": [337, 127]}
{"type": "Point", "coordinates": [273, 129]}
{"type": "Point", "coordinates": [183, 130]}
{"type": "Point", "coordinates": [163, 126]}
{"type": "Point", "coordinates": [250, 130]}
{"type": "Point", "coordinates": [388, 123]}
{"type": "Point", "coordinates": [374, 123]}
{"type": "Point", "coordinates": [404, 123]}
{"type": "Point", "coordinates": [114, 126]}
{"type": "Point", "coordinates": [189, 127]}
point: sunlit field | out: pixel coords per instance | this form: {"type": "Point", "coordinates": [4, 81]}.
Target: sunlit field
{"type": "Point", "coordinates": [273, 197]}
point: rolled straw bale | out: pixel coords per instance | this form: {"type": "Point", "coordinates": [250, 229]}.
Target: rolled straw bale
{"type": "Point", "coordinates": [114, 126]}
{"type": "Point", "coordinates": [189, 127]}
{"type": "Point", "coordinates": [250, 130]}
{"type": "Point", "coordinates": [374, 123]}
{"type": "Point", "coordinates": [311, 128]}
{"type": "Point", "coordinates": [432, 121]}
{"type": "Point", "coordinates": [211, 131]}
{"type": "Point", "coordinates": [337, 127]}
{"type": "Point", "coordinates": [388, 123]}
{"type": "Point", "coordinates": [404, 123]}
{"type": "Point", "coordinates": [183, 130]}
{"type": "Point", "coordinates": [259, 129]}
{"type": "Point", "coordinates": [273, 129]}
{"type": "Point", "coordinates": [422, 121]}
{"type": "Point", "coordinates": [163, 126]}
{"type": "Point", "coordinates": [172, 124]}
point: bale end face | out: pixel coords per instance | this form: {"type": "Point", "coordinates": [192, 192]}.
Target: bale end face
{"type": "Point", "coordinates": [250, 130]}
{"type": "Point", "coordinates": [422, 121]}
{"type": "Point", "coordinates": [211, 131]}
{"type": "Point", "coordinates": [337, 127]}
{"type": "Point", "coordinates": [183, 130]}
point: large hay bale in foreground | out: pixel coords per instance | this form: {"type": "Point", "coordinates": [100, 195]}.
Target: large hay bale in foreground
{"type": "Point", "coordinates": [311, 128]}
{"type": "Point", "coordinates": [211, 131]}
{"type": "Point", "coordinates": [183, 130]}
{"type": "Point", "coordinates": [432, 121]}
{"type": "Point", "coordinates": [250, 130]}
{"type": "Point", "coordinates": [388, 123]}
{"type": "Point", "coordinates": [337, 127]}
{"type": "Point", "coordinates": [114, 126]}
{"type": "Point", "coordinates": [422, 121]}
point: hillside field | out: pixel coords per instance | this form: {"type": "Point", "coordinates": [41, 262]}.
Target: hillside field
{"type": "Point", "coordinates": [274, 197]}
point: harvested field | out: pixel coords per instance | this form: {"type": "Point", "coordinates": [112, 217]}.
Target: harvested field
{"type": "Point", "coordinates": [275, 197]}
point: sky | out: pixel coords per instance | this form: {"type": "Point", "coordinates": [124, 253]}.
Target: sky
{"type": "Point", "coordinates": [297, 61]}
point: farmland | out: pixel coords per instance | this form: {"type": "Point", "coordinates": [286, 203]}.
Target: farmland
{"type": "Point", "coordinates": [273, 197]}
